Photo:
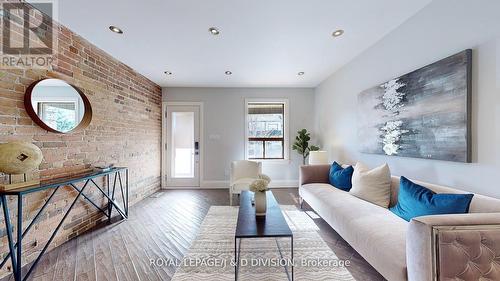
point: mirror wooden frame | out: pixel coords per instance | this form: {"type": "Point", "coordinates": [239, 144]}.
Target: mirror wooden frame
{"type": "Point", "coordinates": [87, 116]}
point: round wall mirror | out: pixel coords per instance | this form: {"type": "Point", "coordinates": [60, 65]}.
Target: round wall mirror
{"type": "Point", "coordinates": [57, 106]}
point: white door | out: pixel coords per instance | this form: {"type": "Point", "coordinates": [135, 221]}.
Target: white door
{"type": "Point", "coordinates": [183, 145]}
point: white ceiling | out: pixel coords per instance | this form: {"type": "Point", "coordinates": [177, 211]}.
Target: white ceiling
{"type": "Point", "coordinates": [265, 43]}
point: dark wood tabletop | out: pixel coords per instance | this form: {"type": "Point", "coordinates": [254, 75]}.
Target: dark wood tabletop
{"type": "Point", "coordinates": [271, 225]}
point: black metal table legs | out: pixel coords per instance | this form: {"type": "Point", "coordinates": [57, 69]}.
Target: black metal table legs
{"type": "Point", "coordinates": [16, 249]}
{"type": "Point", "coordinates": [237, 249]}
{"type": "Point", "coordinates": [10, 239]}
{"type": "Point", "coordinates": [291, 254]}
{"type": "Point", "coordinates": [236, 257]}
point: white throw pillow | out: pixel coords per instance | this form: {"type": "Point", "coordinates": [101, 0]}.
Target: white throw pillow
{"type": "Point", "coordinates": [372, 185]}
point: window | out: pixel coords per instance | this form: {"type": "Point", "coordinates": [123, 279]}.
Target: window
{"type": "Point", "coordinates": [61, 116]}
{"type": "Point", "coordinates": [266, 133]}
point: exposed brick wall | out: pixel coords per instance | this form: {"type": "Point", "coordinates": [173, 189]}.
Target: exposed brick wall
{"type": "Point", "coordinates": [125, 131]}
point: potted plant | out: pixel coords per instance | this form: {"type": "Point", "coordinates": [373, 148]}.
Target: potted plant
{"type": "Point", "coordinates": [301, 144]}
{"type": "Point", "coordinates": [259, 188]}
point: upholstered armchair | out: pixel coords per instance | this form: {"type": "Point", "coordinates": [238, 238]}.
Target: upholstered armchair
{"type": "Point", "coordinates": [243, 173]}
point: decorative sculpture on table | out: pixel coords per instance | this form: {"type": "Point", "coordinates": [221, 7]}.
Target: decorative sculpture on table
{"type": "Point", "coordinates": [259, 187]}
{"type": "Point", "coordinates": [19, 158]}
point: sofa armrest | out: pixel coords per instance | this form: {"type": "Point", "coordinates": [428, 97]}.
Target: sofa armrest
{"type": "Point", "coordinates": [314, 174]}
{"type": "Point", "coordinates": [443, 247]}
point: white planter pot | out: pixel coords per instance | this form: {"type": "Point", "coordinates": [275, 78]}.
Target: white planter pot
{"type": "Point", "coordinates": [260, 203]}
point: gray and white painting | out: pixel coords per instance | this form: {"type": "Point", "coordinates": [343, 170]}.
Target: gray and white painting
{"type": "Point", "coordinates": [424, 114]}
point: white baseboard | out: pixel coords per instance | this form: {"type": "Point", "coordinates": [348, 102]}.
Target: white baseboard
{"type": "Point", "coordinates": [284, 183]}
{"type": "Point", "coordinates": [215, 184]}
{"type": "Point", "coordinates": [210, 184]}
{"type": "Point", "coordinates": [203, 185]}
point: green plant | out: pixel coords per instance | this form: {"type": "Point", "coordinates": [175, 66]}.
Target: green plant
{"type": "Point", "coordinates": [301, 144]}
{"type": "Point", "coordinates": [64, 124]}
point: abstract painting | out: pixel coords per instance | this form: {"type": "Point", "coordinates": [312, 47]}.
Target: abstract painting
{"type": "Point", "coordinates": [422, 114]}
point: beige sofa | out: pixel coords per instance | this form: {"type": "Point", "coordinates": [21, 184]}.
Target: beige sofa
{"type": "Point", "coordinates": [438, 247]}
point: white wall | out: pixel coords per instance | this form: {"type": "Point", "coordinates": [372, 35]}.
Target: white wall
{"type": "Point", "coordinates": [442, 28]}
{"type": "Point", "coordinates": [224, 128]}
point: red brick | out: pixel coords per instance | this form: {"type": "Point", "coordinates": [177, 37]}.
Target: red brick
{"type": "Point", "coordinates": [125, 134]}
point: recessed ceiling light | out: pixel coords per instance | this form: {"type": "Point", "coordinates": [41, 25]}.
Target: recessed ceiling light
{"type": "Point", "coordinates": [337, 33]}
{"type": "Point", "coordinates": [301, 73]}
{"type": "Point", "coordinates": [168, 72]}
{"type": "Point", "coordinates": [228, 72]}
{"type": "Point", "coordinates": [115, 29]}
{"type": "Point", "coordinates": [213, 31]}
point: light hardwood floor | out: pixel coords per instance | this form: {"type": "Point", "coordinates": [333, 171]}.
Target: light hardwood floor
{"type": "Point", "coordinates": [161, 226]}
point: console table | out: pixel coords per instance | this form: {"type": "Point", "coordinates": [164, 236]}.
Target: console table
{"type": "Point", "coordinates": [88, 179]}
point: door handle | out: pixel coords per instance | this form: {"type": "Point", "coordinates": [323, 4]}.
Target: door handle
{"type": "Point", "coordinates": [196, 145]}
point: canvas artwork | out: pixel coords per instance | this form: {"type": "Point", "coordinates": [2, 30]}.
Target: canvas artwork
{"type": "Point", "coordinates": [423, 114]}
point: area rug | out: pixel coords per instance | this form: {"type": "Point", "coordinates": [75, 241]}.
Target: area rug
{"type": "Point", "coordinates": [211, 257]}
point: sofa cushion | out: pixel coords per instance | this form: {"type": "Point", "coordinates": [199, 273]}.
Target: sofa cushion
{"type": "Point", "coordinates": [479, 204]}
{"type": "Point", "coordinates": [415, 200]}
{"type": "Point", "coordinates": [374, 232]}
{"type": "Point", "coordinates": [341, 177]}
{"type": "Point", "coordinates": [372, 185]}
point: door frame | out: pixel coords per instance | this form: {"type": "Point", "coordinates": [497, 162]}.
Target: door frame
{"type": "Point", "coordinates": [164, 140]}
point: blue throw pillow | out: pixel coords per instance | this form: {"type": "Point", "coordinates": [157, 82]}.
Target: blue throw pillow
{"type": "Point", "coordinates": [415, 200]}
{"type": "Point", "coordinates": [341, 177]}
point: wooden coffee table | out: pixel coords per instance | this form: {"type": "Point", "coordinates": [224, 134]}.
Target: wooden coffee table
{"type": "Point", "coordinates": [273, 225]}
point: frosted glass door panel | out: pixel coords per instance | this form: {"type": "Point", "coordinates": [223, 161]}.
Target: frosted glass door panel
{"type": "Point", "coordinates": [183, 145]}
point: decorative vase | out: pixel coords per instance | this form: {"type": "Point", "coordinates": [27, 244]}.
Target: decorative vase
{"type": "Point", "coordinates": [260, 203]}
